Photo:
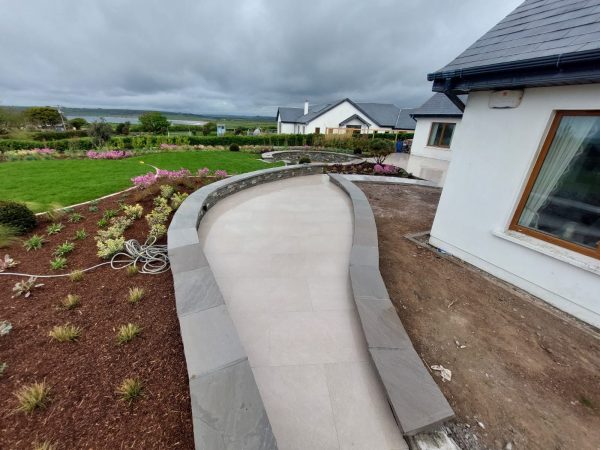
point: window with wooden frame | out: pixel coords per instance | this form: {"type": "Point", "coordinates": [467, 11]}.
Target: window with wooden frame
{"type": "Point", "coordinates": [561, 201]}
{"type": "Point", "coordinates": [440, 134]}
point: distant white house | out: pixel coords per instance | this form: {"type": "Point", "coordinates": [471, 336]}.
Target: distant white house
{"type": "Point", "coordinates": [342, 117]}
{"type": "Point", "coordinates": [521, 199]}
{"type": "Point", "coordinates": [437, 121]}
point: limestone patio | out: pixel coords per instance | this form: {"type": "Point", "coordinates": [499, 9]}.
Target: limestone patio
{"type": "Point", "coordinates": [280, 254]}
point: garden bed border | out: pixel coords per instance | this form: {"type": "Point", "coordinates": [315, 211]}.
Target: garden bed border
{"type": "Point", "coordinates": [227, 409]}
{"type": "Point", "coordinates": [416, 400]}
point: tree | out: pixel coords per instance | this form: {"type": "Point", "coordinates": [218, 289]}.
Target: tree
{"type": "Point", "coordinates": [379, 149]}
{"type": "Point", "coordinates": [123, 128]}
{"type": "Point", "coordinates": [100, 132]}
{"type": "Point", "coordinates": [78, 123]}
{"type": "Point", "coordinates": [10, 118]}
{"type": "Point", "coordinates": [208, 128]}
{"type": "Point", "coordinates": [154, 122]}
{"type": "Point", "coordinates": [43, 116]}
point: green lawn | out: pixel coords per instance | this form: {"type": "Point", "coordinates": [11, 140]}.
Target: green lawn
{"type": "Point", "coordinates": [67, 182]}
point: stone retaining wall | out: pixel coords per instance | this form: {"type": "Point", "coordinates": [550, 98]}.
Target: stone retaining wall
{"type": "Point", "coordinates": [227, 410]}
{"type": "Point", "coordinates": [294, 154]}
{"type": "Point", "coordinates": [416, 400]}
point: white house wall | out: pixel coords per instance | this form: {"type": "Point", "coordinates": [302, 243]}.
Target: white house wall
{"type": "Point", "coordinates": [287, 128]}
{"type": "Point", "coordinates": [419, 144]}
{"type": "Point", "coordinates": [333, 118]}
{"type": "Point", "coordinates": [492, 156]}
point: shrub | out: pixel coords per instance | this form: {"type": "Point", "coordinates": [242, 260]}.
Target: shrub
{"type": "Point", "coordinates": [133, 211]}
{"type": "Point", "coordinates": [65, 333]}
{"type": "Point", "coordinates": [130, 389]}
{"type": "Point", "coordinates": [219, 174]}
{"type": "Point", "coordinates": [5, 327]}
{"type": "Point", "coordinates": [8, 235]}
{"type": "Point", "coordinates": [166, 191]}
{"type": "Point", "coordinates": [102, 222]}
{"type": "Point", "coordinates": [71, 301]}
{"type": "Point", "coordinates": [157, 230]}
{"type": "Point", "coordinates": [7, 262]}
{"type": "Point", "coordinates": [80, 234]}
{"type": "Point", "coordinates": [304, 160]}
{"type": "Point", "coordinates": [177, 199]}
{"type": "Point", "coordinates": [64, 249]}
{"type": "Point", "coordinates": [154, 122]}
{"type": "Point", "coordinates": [58, 263]}
{"type": "Point", "coordinates": [35, 242]}
{"type": "Point", "coordinates": [127, 332]}
{"type": "Point", "coordinates": [109, 213]}
{"type": "Point", "coordinates": [100, 132]}
{"type": "Point", "coordinates": [17, 216]}
{"type": "Point", "coordinates": [25, 287]}
{"type": "Point", "coordinates": [135, 294]}
{"type": "Point", "coordinates": [54, 228]}
{"type": "Point", "coordinates": [33, 396]}
{"type": "Point", "coordinates": [234, 148]}
{"type": "Point", "coordinates": [75, 217]}
{"type": "Point", "coordinates": [108, 247]}
{"type": "Point", "coordinates": [76, 275]}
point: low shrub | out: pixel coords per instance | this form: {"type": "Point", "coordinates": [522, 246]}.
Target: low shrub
{"type": "Point", "coordinates": [108, 247]}
{"type": "Point", "coordinates": [58, 263]}
{"type": "Point", "coordinates": [17, 216]}
{"type": "Point", "coordinates": [234, 148]}
{"type": "Point", "coordinates": [54, 228]}
{"type": "Point", "coordinates": [304, 160]}
{"type": "Point", "coordinates": [166, 191]}
{"type": "Point", "coordinates": [35, 242]}
{"type": "Point", "coordinates": [24, 288]}
{"type": "Point", "coordinates": [33, 396]}
{"type": "Point", "coordinates": [177, 199]}
{"type": "Point", "coordinates": [133, 211]}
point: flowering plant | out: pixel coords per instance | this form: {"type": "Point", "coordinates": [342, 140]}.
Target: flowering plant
{"type": "Point", "coordinates": [168, 146]}
{"type": "Point", "coordinates": [203, 172]}
{"type": "Point", "coordinates": [111, 154]}
{"type": "Point", "coordinates": [43, 151]}
{"type": "Point", "coordinates": [219, 174]}
{"type": "Point", "coordinates": [385, 169]}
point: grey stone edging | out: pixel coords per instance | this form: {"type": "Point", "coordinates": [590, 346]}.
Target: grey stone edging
{"type": "Point", "coordinates": [227, 410]}
{"type": "Point", "coordinates": [417, 402]}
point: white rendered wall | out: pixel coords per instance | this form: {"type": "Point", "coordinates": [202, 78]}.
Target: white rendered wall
{"type": "Point", "coordinates": [287, 128]}
{"type": "Point", "coordinates": [419, 145]}
{"type": "Point", "coordinates": [492, 156]}
{"type": "Point", "coordinates": [333, 117]}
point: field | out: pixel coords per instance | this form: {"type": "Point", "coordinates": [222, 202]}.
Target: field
{"type": "Point", "coordinates": [68, 182]}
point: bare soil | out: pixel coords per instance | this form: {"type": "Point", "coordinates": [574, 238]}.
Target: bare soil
{"type": "Point", "coordinates": [528, 373]}
{"type": "Point", "coordinates": [84, 411]}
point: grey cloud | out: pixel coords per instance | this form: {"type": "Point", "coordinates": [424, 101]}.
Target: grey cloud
{"type": "Point", "coordinates": [239, 57]}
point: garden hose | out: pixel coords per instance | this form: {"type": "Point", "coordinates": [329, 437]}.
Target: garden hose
{"type": "Point", "coordinates": [152, 258]}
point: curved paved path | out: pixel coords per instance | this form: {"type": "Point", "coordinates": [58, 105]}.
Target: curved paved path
{"type": "Point", "coordinates": [280, 254]}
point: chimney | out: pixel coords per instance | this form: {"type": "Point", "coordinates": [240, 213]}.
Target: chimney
{"type": "Point", "coordinates": [305, 107]}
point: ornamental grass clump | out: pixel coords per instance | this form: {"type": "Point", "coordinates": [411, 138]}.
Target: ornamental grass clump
{"type": "Point", "coordinates": [71, 301]}
{"type": "Point", "coordinates": [5, 327]}
{"type": "Point", "coordinates": [35, 242]}
{"type": "Point", "coordinates": [130, 389]}
{"type": "Point", "coordinates": [54, 228]}
{"type": "Point", "coordinates": [76, 275]}
{"type": "Point", "coordinates": [80, 235]}
{"type": "Point", "coordinates": [58, 263]}
{"type": "Point", "coordinates": [132, 270]}
{"type": "Point", "coordinates": [127, 333]}
{"type": "Point", "coordinates": [33, 396]}
{"type": "Point", "coordinates": [75, 217]}
{"type": "Point", "coordinates": [45, 445]}
{"type": "Point", "coordinates": [65, 333]}
{"type": "Point", "coordinates": [64, 249]}
{"type": "Point", "coordinates": [135, 294]}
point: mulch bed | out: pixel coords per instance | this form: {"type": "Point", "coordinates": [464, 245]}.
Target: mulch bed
{"type": "Point", "coordinates": [84, 411]}
{"type": "Point", "coordinates": [528, 373]}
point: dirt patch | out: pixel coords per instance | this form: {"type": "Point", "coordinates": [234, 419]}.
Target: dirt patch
{"type": "Point", "coordinates": [85, 411]}
{"type": "Point", "coordinates": [528, 373]}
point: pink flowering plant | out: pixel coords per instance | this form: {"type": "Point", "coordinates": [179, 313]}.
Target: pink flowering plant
{"type": "Point", "coordinates": [203, 173]}
{"type": "Point", "coordinates": [169, 146]}
{"type": "Point", "coordinates": [150, 178]}
{"type": "Point", "coordinates": [385, 169]}
{"type": "Point", "coordinates": [220, 174]}
{"type": "Point", "coordinates": [43, 151]}
{"type": "Point", "coordinates": [111, 154]}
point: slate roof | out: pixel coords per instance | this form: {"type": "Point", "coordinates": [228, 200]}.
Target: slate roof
{"type": "Point", "coordinates": [439, 105]}
{"type": "Point", "coordinates": [383, 114]}
{"type": "Point", "coordinates": [536, 28]}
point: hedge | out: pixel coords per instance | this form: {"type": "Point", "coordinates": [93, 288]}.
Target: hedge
{"type": "Point", "coordinates": [58, 135]}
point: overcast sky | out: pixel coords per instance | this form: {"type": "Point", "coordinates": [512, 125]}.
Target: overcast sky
{"type": "Point", "coordinates": [235, 57]}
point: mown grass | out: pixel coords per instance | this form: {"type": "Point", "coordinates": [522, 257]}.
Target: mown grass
{"type": "Point", "coordinates": [67, 182]}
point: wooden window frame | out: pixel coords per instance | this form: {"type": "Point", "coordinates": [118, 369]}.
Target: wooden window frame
{"type": "Point", "coordinates": [514, 224]}
{"type": "Point", "coordinates": [438, 144]}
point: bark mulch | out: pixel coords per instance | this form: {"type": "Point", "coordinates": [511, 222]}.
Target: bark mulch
{"type": "Point", "coordinates": [528, 373]}
{"type": "Point", "coordinates": [84, 411]}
